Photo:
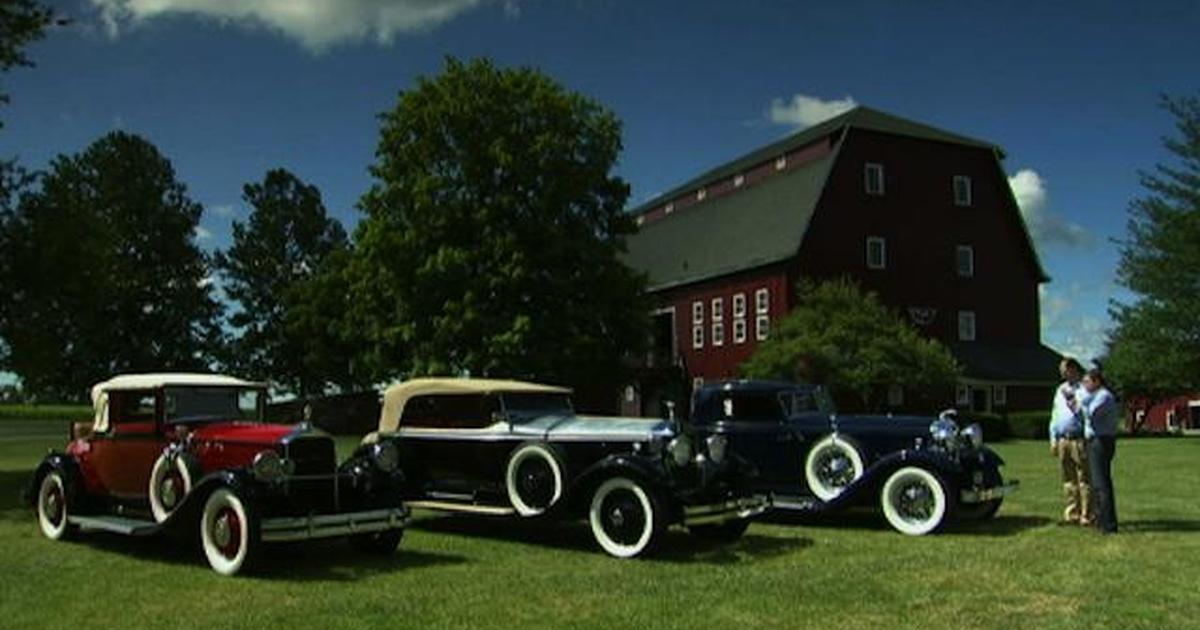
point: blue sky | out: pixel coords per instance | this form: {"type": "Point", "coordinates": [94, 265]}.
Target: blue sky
{"type": "Point", "coordinates": [228, 90]}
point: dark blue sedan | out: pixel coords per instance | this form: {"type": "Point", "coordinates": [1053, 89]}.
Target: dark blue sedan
{"type": "Point", "coordinates": [920, 471]}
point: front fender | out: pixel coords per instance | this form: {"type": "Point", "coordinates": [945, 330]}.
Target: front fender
{"type": "Point", "coordinates": [652, 473]}
{"type": "Point", "coordinates": [187, 515]}
{"type": "Point", "coordinates": [53, 461]}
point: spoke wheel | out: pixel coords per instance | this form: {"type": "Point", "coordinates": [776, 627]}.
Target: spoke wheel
{"type": "Point", "coordinates": [915, 501]}
{"type": "Point", "coordinates": [52, 507]}
{"type": "Point", "coordinates": [534, 479]}
{"type": "Point", "coordinates": [832, 464]}
{"type": "Point", "coordinates": [624, 518]}
{"type": "Point", "coordinates": [170, 483]}
{"type": "Point", "coordinates": [226, 532]}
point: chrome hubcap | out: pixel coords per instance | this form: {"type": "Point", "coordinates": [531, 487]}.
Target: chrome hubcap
{"type": "Point", "coordinates": [617, 518]}
{"type": "Point", "coordinates": [915, 501]}
{"type": "Point", "coordinates": [52, 506]}
{"type": "Point", "coordinates": [167, 492]}
{"type": "Point", "coordinates": [221, 531]}
{"type": "Point", "coordinates": [836, 470]}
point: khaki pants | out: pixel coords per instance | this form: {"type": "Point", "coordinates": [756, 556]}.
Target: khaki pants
{"type": "Point", "coordinates": [1077, 481]}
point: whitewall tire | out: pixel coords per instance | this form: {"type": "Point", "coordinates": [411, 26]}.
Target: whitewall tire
{"type": "Point", "coordinates": [534, 479]}
{"type": "Point", "coordinates": [915, 501]}
{"type": "Point", "coordinates": [170, 483]}
{"type": "Point", "coordinates": [625, 518]}
{"type": "Point", "coordinates": [227, 532]}
{"type": "Point", "coordinates": [832, 464]}
{"type": "Point", "coordinates": [52, 506]}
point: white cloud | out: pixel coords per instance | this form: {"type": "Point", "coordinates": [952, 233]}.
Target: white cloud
{"type": "Point", "coordinates": [1046, 227]}
{"type": "Point", "coordinates": [1070, 323]}
{"type": "Point", "coordinates": [224, 210]}
{"type": "Point", "coordinates": [317, 24]}
{"type": "Point", "coordinates": [202, 233]}
{"type": "Point", "coordinates": [806, 111]}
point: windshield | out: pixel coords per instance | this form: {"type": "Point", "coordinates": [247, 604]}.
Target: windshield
{"type": "Point", "coordinates": [201, 404]}
{"type": "Point", "coordinates": [526, 406]}
{"type": "Point", "coordinates": [806, 400]}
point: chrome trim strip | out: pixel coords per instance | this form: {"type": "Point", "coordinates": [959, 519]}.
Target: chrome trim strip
{"type": "Point", "coordinates": [327, 525]}
{"type": "Point", "coordinates": [450, 506]}
{"type": "Point", "coordinates": [714, 513]}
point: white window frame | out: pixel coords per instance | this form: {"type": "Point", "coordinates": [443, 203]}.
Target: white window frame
{"type": "Point", "coordinates": [882, 243]}
{"type": "Point", "coordinates": [718, 333]}
{"type": "Point", "coordinates": [739, 330]}
{"type": "Point", "coordinates": [967, 326]}
{"type": "Point", "coordinates": [965, 181]}
{"type": "Point", "coordinates": [877, 168]}
{"type": "Point", "coordinates": [697, 311]}
{"type": "Point", "coordinates": [739, 304]}
{"type": "Point", "coordinates": [962, 395]}
{"type": "Point", "coordinates": [762, 327]}
{"type": "Point", "coordinates": [969, 250]}
{"type": "Point", "coordinates": [762, 301]}
{"type": "Point", "coordinates": [718, 309]}
{"type": "Point", "coordinates": [697, 336]}
{"type": "Point", "coordinates": [1000, 395]}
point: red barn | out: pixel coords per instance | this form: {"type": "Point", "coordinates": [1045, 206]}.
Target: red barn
{"type": "Point", "coordinates": [923, 217]}
{"type": "Point", "coordinates": [1179, 414]}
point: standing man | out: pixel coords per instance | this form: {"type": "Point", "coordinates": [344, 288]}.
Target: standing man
{"type": "Point", "coordinates": [1099, 408]}
{"type": "Point", "coordinates": [1066, 443]}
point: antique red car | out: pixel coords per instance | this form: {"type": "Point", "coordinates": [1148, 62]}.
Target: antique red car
{"type": "Point", "coordinates": [190, 452]}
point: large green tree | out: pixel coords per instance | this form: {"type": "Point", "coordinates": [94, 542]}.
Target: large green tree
{"type": "Point", "coordinates": [1155, 346]}
{"type": "Point", "coordinates": [843, 338]}
{"type": "Point", "coordinates": [492, 232]}
{"type": "Point", "coordinates": [282, 246]}
{"type": "Point", "coordinates": [101, 272]}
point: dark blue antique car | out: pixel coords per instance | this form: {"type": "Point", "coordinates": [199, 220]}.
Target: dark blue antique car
{"type": "Point", "coordinates": [922, 471]}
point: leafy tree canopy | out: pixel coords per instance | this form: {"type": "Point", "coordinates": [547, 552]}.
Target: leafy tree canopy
{"type": "Point", "coordinates": [283, 245]}
{"type": "Point", "coordinates": [102, 274]}
{"type": "Point", "coordinates": [492, 231]}
{"type": "Point", "coordinates": [1155, 346]}
{"type": "Point", "coordinates": [845, 339]}
{"type": "Point", "coordinates": [21, 22]}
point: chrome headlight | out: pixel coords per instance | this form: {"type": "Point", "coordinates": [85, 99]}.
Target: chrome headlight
{"type": "Point", "coordinates": [385, 456]}
{"type": "Point", "coordinates": [680, 450]}
{"type": "Point", "coordinates": [267, 466]}
{"type": "Point", "coordinates": [943, 431]}
{"type": "Point", "coordinates": [973, 434]}
{"type": "Point", "coordinates": [716, 445]}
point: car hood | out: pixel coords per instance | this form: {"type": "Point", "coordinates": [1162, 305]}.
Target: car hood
{"type": "Point", "coordinates": [900, 426]}
{"type": "Point", "coordinates": [595, 428]}
{"type": "Point", "coordinates": [244, 432]}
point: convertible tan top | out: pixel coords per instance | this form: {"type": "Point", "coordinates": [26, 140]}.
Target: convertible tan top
{"type": "Point", "coordinates": [155, 380]}
{"type": "Point", "coordinates": [396, 396]}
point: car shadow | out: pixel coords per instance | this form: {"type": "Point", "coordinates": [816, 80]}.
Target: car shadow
{"type": "Point", "coordinates": [676, 546]}
{"type": "Point", "coordinates": [864, 519]}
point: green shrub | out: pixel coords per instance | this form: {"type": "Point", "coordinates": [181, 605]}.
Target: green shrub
{"type": "Point", "coordinates": [45, 412]}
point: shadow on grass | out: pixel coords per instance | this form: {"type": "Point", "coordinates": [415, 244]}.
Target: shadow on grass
{"type": "Point", "coordinates": [1160, 525]}
{"type": "Point", "coordinates": [865, 519]}
{"type": "Point", "coordinates": [330, 560]}
{"type": "Point", "coordinates": [676, 546]}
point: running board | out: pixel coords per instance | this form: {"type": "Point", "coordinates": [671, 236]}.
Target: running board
{"type": "Point", "coordinates": [450, 506]}
{"type": "Point", "coordinates": [115, 524]}
{"type": "Point", "coordinates": [796, 504]}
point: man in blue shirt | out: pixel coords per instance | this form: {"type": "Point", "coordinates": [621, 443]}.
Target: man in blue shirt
{"type": "Point", "coordinates": [1066, 443]}
{"type": "Point", "coordinates": [1099, 408]}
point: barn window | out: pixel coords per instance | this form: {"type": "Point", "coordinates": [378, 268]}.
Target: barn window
{"type": "Point", "coordinates": [966, 325]}
{"type": "Point", "coordinates": [873, 178]}
{"type": "Point", "coordinates": [962, 190]}
{"type": "Point", "coordinates": [962, 396]}
{"type": "Point", "coordinates": [964, 261]}
{"type": "Point", "coordinates": [718, 333]}
{"type": "Point", "coordinates": [739, 305]}
{"type": "Point", "coordinates": [762, 301]}
{"type": "Point", "coordinates": [698, 312]}
{"type": "Point", "coordinates": [1000, 395]}
{"type": "Point", "coordinates": [698, 336]}
{"type": "Point", "coordinates": [781, 162]}
{"type": "Point", "coordinates": [762, 326]}
{"type": "Point", "coordinates": [738, 180]}
{"type": "Point", "coordinates": [669, 208]}
{"type": "Point", "coordinates": [701, 194]}
{"type": "Point", "coordinates": [718, 309]}
{"type": "Point", "coordinates": [739, 330]}
{"type": "Point", "coordinates": [876, 252]}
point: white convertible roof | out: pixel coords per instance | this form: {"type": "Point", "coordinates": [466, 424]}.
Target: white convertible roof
{"type": "Point", "coordinates": [395, 397]}
{"type": "Point", "coordinates": [164, 379]}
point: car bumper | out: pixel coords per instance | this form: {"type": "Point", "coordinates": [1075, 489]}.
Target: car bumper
{"type": "Point", "coordinates": [979, 495]}
{"type": "Point", "coordinates": [722, 511]}
{"type": "Point", "coordinates": [331, 525]}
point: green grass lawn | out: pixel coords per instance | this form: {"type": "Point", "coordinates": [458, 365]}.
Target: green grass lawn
{"type": "Point", "coordinates": [1021, 570]}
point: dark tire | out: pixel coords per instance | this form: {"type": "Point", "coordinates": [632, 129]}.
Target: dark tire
{"type": "Point", "coordinates": [229, 532]}
{"type": "Point", "coordinates": [53, 506]}
{"type": "Point", "coordinates": [979, 511]}
{"type": "Point", "coordinates": [727, 532]}
{"type": "Point", "coordinates": [378, 543]}
{"type": "Point", "coordinates": [626, 518]}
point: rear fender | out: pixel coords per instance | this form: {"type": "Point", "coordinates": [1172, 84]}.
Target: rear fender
{"type": "Point", "coordinates": [53, 461]}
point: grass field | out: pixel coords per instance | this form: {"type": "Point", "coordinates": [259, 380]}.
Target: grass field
{"type": "Point", "coordinates": [1021, 570]}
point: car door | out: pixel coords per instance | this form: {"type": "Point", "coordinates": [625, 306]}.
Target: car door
{"type": "Point", "coordinates": [447, 445]}
{"type": "Point", "coordinates": [123, 456]}
{"type": "Point", "coordinates": [758, 430]}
